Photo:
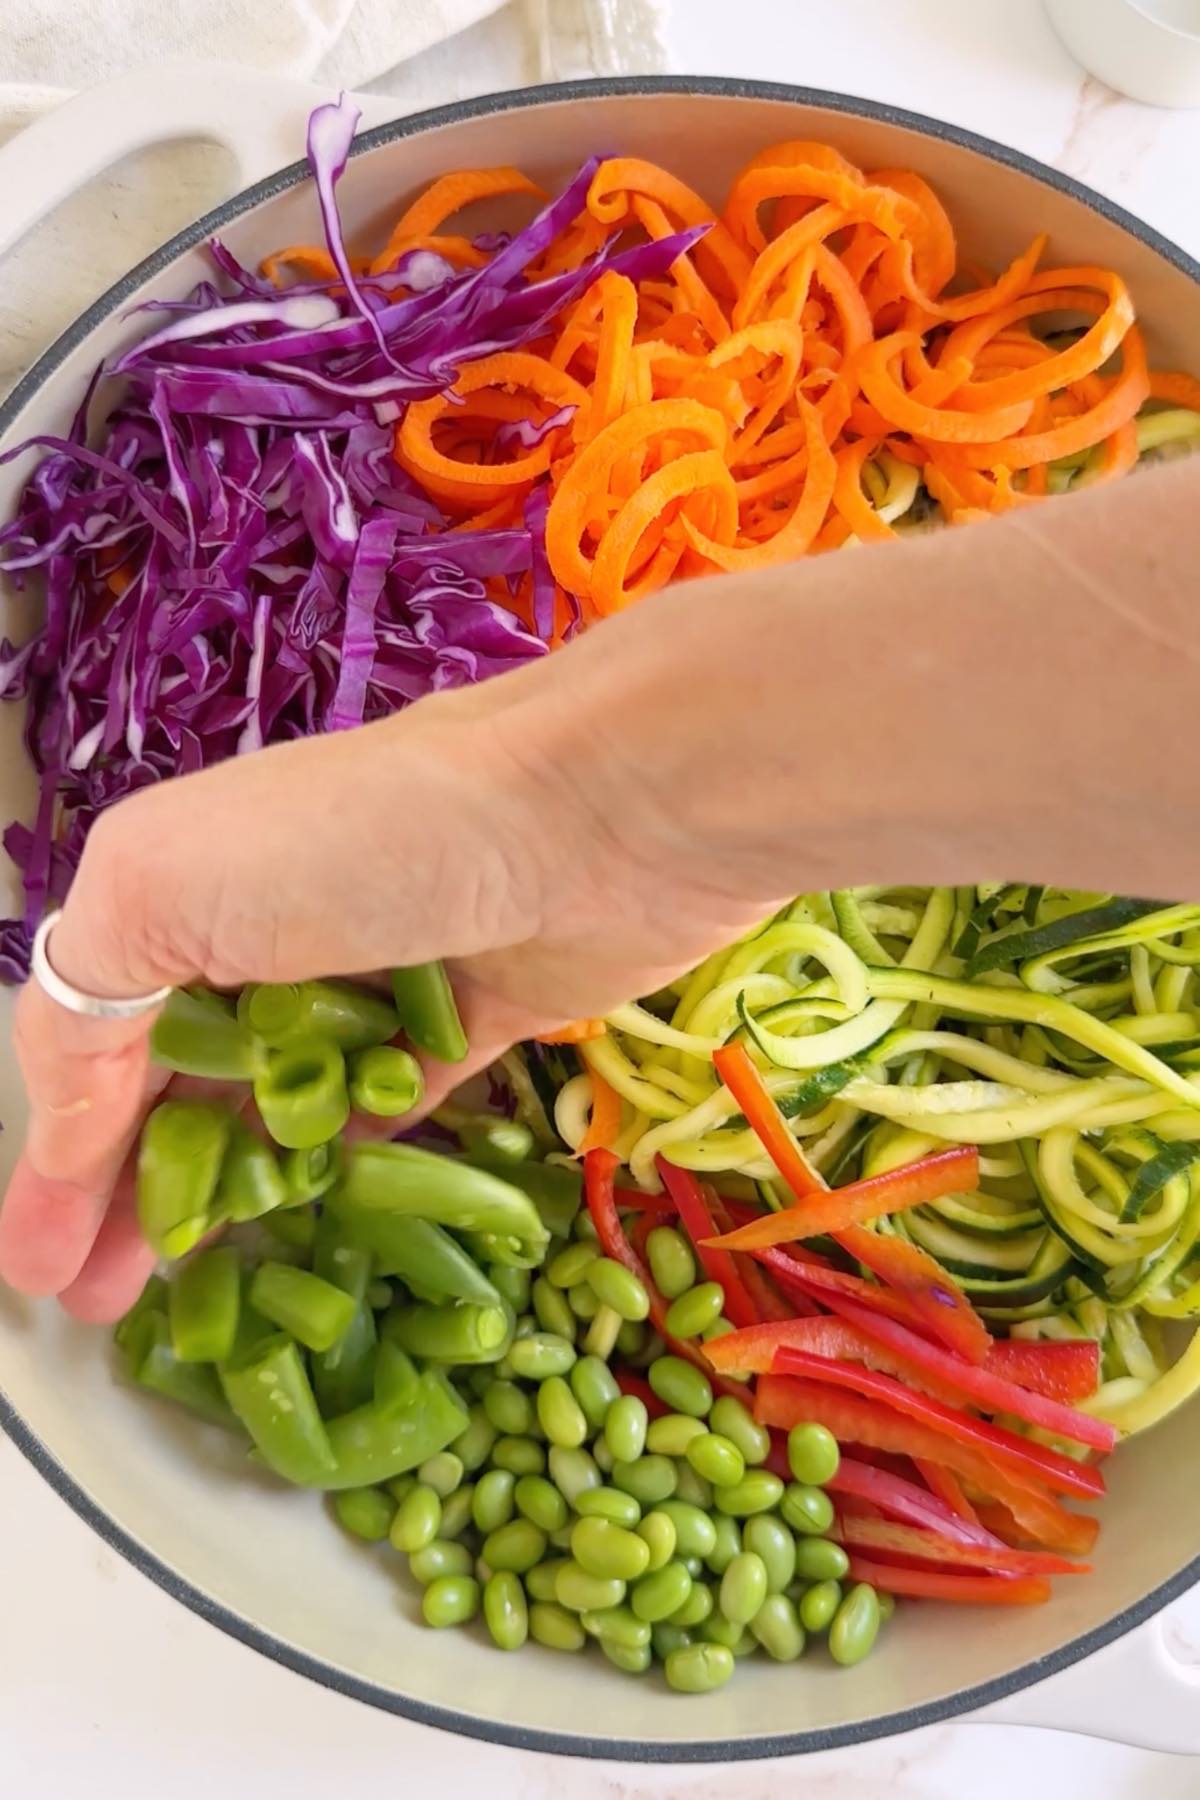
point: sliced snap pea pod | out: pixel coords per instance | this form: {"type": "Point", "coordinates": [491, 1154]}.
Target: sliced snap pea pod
{"type": "Point", "coordinates": [343, 1376]}
{"type": "Point", "coordinates": [252, 1183]}
{"type": "Point", "coordinates": [451, 1334]}
{"type": "Point", "coordinates": [301, 1092]}
{"type": "Point", "coordinates": [270, 1392]}
{"type": "Point", "coordinates": [374, 1442]}
{"type": "Point", "coordinates": [182, 1147]}
{"type": "Point", "coordinates": [203, 1306]}
{"type": "Point", "coordinates": [310, 1173]}
{"type": "Point", "coordinates": [351, 1017]}
{"type": "Point", "coordinates": [427, 1011]}
{"type": "Point", "coordinates": [403, 1179]}
{"type": "Point", "coordinates": [496, 1142]}
{"type": "Point", "coordinates": [385, 1082]}
{"type": "Point", "coordinates": [312, 1310]}
{"type": "Point", "coordinates": [197, 1033]}
{"type": "Point", "coordinates": [153, 1364]}
{"type": "Point", "coordinates": [431, 1263]}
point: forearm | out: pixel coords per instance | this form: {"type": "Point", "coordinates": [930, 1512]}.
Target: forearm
{"type": "Point", "coordinates": [1011, 699]}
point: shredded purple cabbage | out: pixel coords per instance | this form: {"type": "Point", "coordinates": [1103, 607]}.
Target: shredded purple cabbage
{"type": "Point", "coordinates": [240, 560]}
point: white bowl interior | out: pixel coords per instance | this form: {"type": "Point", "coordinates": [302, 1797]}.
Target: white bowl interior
{"type": "Point", "coordinates": [271, 1557]}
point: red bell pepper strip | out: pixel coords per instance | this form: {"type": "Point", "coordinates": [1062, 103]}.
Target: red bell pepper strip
{"type": "Point", "coordinates": [968, 1590]}
{"type": "Point", "coordinates": [905, 1501]}
{"type": "Point", "coordinates": [944, 1309]}
{"type": "Point", "coordinates": [941, 1373]}
{"type": "Point", "coordinates": [813, 1278]}
{"type": "Point", "coordinates": [888, 1539]}
{"type": "Point", "coordinates": [993, 1441]}
{"type": "Point", "coordinates": [1063, 1370]}
{"type": "Point", "coordinates": [954, 1171]}
{"type": "Point", "coordinates": [630, 1382]}
{"type": "Point", "coordinates": [853, 1418]}
{"type": "Point", "coordinates": [946, 1485]}
{"type": "Point", "coordinates": [718, 1265]}
{"type": "Point", "coordinates": [633, 1200]}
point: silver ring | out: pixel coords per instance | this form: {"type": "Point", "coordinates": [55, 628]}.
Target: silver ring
{"type": "Point", "coordinates": [89, 1006]}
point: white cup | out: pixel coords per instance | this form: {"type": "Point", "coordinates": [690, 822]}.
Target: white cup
{"type": "Point", "coordinates": [1148, 49]}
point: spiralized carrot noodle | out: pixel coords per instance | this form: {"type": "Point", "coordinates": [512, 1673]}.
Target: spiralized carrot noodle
{"type": "Point", "coordinates": [820, 368]}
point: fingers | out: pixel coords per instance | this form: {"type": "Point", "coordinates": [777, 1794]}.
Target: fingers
{"type": "Point", "coordinates": [119, 1263]}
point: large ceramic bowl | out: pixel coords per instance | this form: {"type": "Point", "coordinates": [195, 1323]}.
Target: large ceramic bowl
{"type": "Point", "coordinates": [265, 1564]}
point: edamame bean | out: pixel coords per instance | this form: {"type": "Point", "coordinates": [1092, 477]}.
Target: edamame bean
{"type": "Point", "coordinates": [508, 1409]}
{"type": "Point", "coordinates": [887, 1606]}
{"type": "Point", "coordinates": [553, 1312]}
{"type": "Point", "coordinates": [561, 1537]}
{"type": "Point", "coordinates": [694, 1566]}
{"type": "Point", "coordinates": [365, 1512]}
{"type": "Point", "coordinates": [505, 1610]}
{"type": "Point", "coordinates": [690, 1486]}
{"type": "Point", "coordinates": [417, 1519]}
{"type": "Point", "coordinates": [554, 1627]}
{"type": "Point", "coordinates": [666, 1637]}
{"type": "Point", "coordinates": [633, 1660]}
{"type": "Point", "coordinates": [611, 1504]}
{"type": "Point", "coordinates": [806, 1509]}
{"type": "Point", "coordinates": [770, 1538]}
{"type": "Point", "coordinates": [541, 1355]}
{"type": "Point", "coordinates": [757, 1492]}
{"type": "Point", "coordinates": [632, 1338]}
{"type": "Point", "coordinates": [813, 1454]}
{"type": "Point", "coordinates": [681, 1386]}
{"type": "Point", "coordinates": [542, 1583]}
{"type": "Point", "coordinates": [583, 1302]}
{"type": "Point", "coordinates": [539, 1501]}
{"type": "Point", "coordinates": [671, 1261]}
{"type": "Point", "coordinates": [743, 1587]}
{"type": "Point", "coordinates": [819, 1559]}
{"type": "Point", "coordinates": [450, 1600]}
{"type": "Point", "coordinates": [595, 1387]}
{"type": "Point", "coordinates": [580, 1592]}
{"type": "Point", "coordinates": [717, 1629]}
{"type": "Point", "coordinates": [727, 1542]}
{"type": "Point", "coordinates": [776, 1627]}
{"type": "Point", "coordinates": [737, 1423]}
{"type": "Point", "coordinates": [456, 1512]}
{"type": "Point", "coordinates": [560, 1414]}
{"type": "Point", "coordinates": [515, 1548]}
{"type": "Point", "coordinates": [475, 1445]}
{"type": "Point", "coordinates": [625, 1428]}
{"type": "Point", "coordinates": [820, 1603]}
{"type": "Point", "coordinates": [694, 1311]}
{"type": "Point", "coordinates": [603, 1455]}
{"type": "Point", "coordinates": [571, 1265]}
{"type": "Point", "coordinates": [658, 1533]}
{"type": "Point", "coordinates": [401, 1487]}
{"type": "Point", "coordinates": [492, 1502]}
{"type": "Point", "coordinates": [650, 1479]}
{"type": "Point", "coordinates": [660, 1595]}
{"type": "Point", "coordinates": [616, 1286]}
{"type": "Point", "coordinates": [695, 1532]}
{"type": "Point", "coordinates": [671, 1435]}
{"type": "Point", "coordinates": [698, 1668]}
{"type": "Point", "coordinates": [603, 1548]}
{"type": "Point", "coordinates": [696, 1608]}
{"type": "Point", "coordinates": [572, 1472]}
{"type": "Point", "coordinates": [439, 1558]}
{"type": "Point", "coordinates": [443, 1473]}
{"type": "Point", "coordinates": [519, 1455]}
{"type": "Point", "coordinates": [855, 1626]}
{"type": "Point", "coordinates": [716, 1459]}
{"type": "Point", "coordinates": [617, 1625]}
{"type": "Point", "coordinates": [513, 1284]}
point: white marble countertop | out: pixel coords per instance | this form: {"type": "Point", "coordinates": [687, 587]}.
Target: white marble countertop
{"type": "Point", "coordinates": [108, 1686]}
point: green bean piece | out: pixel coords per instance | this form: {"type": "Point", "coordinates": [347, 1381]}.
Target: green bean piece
{"type": "Point", "coordinates": [514, 1548]}
{"type": "Point", "coordinates": [570, 1266]}
{"type": "Point", "coordinates": [737, 1423]}
{"type": "Point", "coordinates": [497, 1141]}
{"type": "Point", "coordinates": [625, 1426]}
{"type": "Point", "coordinates": [513, 1285]}
{"type": "Point", "coordinates": [554, 1627]}
{"type": "Point", "coordinates": [819, 1559]}
{"type": "Point", "coordinates": [650, 1479]}
{"type": "Point", "coordinates": [743, 1587]}
{"type": "Point", "coordinates": [579, 1591]}
{"type": "Point", "coordinates": [519, 1455]}
{"type": "Point", "coordinates": [661, 1592]}
{"type": "Point", "coordinates": [694, 1311]}
{"type": "Point", "coordinates": [629, 1659]}
{"type": "Point", "coordinates": [603, 1548]}
{"type": "Point", "coordinates": [425, 1002]}
{"type": "Point", "coordinates": [818, 1606]}
{"type": "Point", "coordinates": [426, 1258]}
{"type": "Point", "coordinates": [508, 1408]}
{"type": "Point", "coordinates": [595, 1387]}
{"type": "Point", "coordinates": [365, 1513]}
{"type": "Point", "coordinates": [619, 1288]}
{"type": "Point", "coordinates": [716, 1459]}
{"type": "Point", "coordinates": [197, 1033]}
{"type": "Point", "coordinates": [560, 1414]}
{"type": "Point", "coordinates": [695, 1531]}
{"type": "Point", "coordinates": [583, 1304]}
{"type": "Point", "coordinates": [727, 1544]}
{"type": "Point", "coordinates": [668, 1636]}
{"type": "Point", "coordinates": [541, 1583]}
{"type": "Point", "coordinates": [493, 1503]}
{"type": "Point", "coordinates": [759, 1491]}
{"type": "Point", "coordinates": [697, 1607]}
{"type": "Point", "coordinates": [384, 1082]}
{"type": "Point", "coordinates": [404, 1179]}
{"type": "Point", "coordinates": [671, 1435]}
{"type": "Point", "coordinates": [309, 1174]}
{"type": "Point", "coordinates": [182, 1147]}
{"type": "Point", "coordinates": [671, 1261]}
{"type": "Point", "coordinates": [203, 1306]}
{"type": "Point", "coordinates": [770, 1539]}
{"type": "Point", "coordinates": [698, 1668]}
{"type": "Point", "coordinates": [658, 1532]}
{"type": "Point", "coordinates": [301, 1092]}
{"type": "Point", "coordinates": [450, 1600]}
{"type": "Point", "coordinates": [153, 1364]}
{"type": "Point", "coordinates": [312, 1310]}
{"type": "Point", "coordinates": [418, 1519]}
{"type": "Point", "coordinates": [776, 1627]}
{"type": "Point", "coordinates": [461, 1333]}
{"type": "Point", "coordinates": [351, 1017]}
{"type": "Point", "coordinates": [855, 1627]}
{"type": "Point", "coordinates": [374, 1442]}
{"type": "Point", "coordinates": [441, 1557]}
{"type": "Point", "coordinates": [539, 1501]}
{"type": "Point", "coordinates": [540, 1355]}
{"type": "Point", "coordinates": [806, 1509]}
{"type": "Point", "coordinates": [553, 1311]}
{"type": "Point", "coordinates": [813, 1454]}
{"type": "Point", "coordinates": [681, 1387]}
{"type": "Point", "coordinates": [690, 1486]}
{"type": "Point", "coordinates": [270, 1392]}
{"type": "Point", "coordinates": [609, 1503]}
{"type": "Point", "coordinates": [443, 1473]}
{"type": "Point", "coordinates": [505, 1610]}
{"type": "Point", "coordinates": [252, 1183]}
{"type": "Point", "coordinates": [475, 1444]}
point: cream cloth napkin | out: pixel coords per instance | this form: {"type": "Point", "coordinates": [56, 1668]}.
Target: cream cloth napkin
{"type": "Point", "coordinates": [423, 52]}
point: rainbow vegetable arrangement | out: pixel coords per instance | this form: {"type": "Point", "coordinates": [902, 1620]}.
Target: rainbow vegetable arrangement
{"type": "Point", "coordinates": [342, 483]}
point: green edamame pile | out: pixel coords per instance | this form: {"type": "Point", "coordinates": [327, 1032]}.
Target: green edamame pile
{"type": "Point", "coordinates": [434, 1342]}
